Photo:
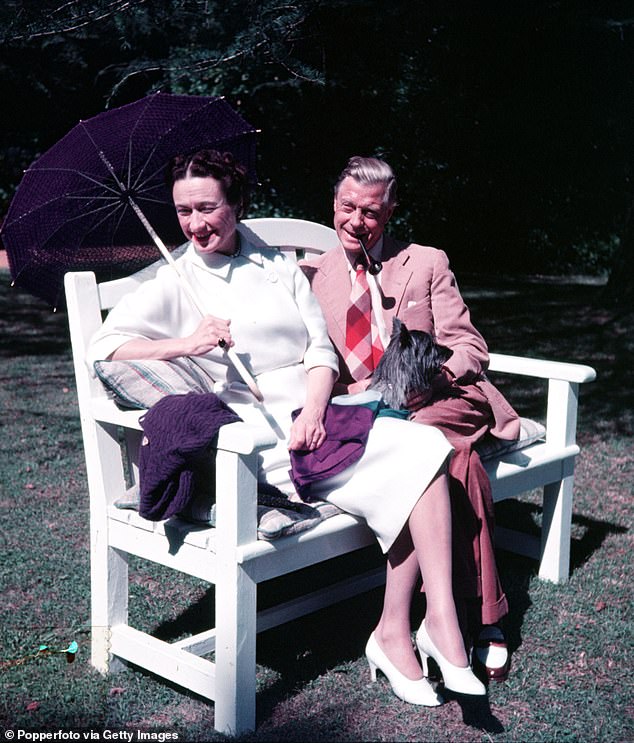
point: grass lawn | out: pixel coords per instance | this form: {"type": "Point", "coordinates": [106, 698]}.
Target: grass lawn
{"type": "Point", "coordinates": [572, 645]}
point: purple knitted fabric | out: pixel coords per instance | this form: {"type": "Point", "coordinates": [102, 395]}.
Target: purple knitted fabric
{"type": "Point", "coordinates": [176, 450]}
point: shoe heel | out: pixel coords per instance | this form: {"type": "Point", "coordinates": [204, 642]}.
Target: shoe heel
{"type": "Point", "coordinates": [424, 661]}
{"type": "Point", "coordinates": [373, 668]}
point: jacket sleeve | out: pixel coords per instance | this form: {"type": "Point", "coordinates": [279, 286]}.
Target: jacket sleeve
{"type": "Point", "coordinates": [453, 326]}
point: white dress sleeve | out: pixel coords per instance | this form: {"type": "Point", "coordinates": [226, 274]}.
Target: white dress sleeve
{"type": "Point", "coordinates": [158, 309]}
{"type": "Point", "coordinates": [320, 351]}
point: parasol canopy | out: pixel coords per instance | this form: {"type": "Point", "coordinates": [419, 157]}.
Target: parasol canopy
{"type": "Point", "coordinates": [77, 206]}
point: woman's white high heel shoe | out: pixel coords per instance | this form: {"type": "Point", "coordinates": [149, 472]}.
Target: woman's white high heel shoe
{"type": "Point", "coordinates": [457, 679]}
{"type": "Point", "coordinates": [418, 691]}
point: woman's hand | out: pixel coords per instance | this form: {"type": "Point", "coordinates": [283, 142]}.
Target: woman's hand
{"type": "Point", "coordinates": [208, 335]}
{"type": "Point", "coordinates": [307, 430]}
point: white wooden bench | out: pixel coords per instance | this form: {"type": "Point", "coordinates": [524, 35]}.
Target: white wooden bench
{"type": "Point", "coordinates": [230, 556]}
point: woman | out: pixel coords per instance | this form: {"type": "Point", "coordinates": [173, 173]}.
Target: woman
{"type": "Point", "coordinates": [260, 302]}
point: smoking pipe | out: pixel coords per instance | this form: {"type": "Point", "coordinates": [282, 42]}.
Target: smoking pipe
{"type": "Point", "coordinates": [374, 267]}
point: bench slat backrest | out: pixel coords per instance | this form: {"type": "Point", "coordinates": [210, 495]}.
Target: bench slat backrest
{"type": "Point", "coordinates": [294, 237]}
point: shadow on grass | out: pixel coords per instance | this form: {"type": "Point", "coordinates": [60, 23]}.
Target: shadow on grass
{"type": "Point", "coordinates": [476, 713]}
{"type": "Point", "coordinates": [332, 640]}
{"type": "Point", "coordinates": [595, 533]}
{"type": "Point", "coordinates": [28, 327]}
{"type": "Point", "coordinates": [329, 641]}
{"type": "Point", "coordinates": [526, 517]}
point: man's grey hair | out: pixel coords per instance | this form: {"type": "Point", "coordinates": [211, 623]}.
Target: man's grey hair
{"type": "Point", "coordinates": [370, 170]}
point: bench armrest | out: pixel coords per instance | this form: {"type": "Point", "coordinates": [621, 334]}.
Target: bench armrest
{"type": "Point", "coordinates": [541, 368]}
{"type": "Point", "coordinates": [238, 437]}
{"type": "Point", "coordinates": [563, 390]}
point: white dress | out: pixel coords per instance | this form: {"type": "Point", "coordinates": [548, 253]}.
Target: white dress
{"type": "Point", "coordinates": [279, 334]}
{"type": "Point", "coordinates": [398, 464]}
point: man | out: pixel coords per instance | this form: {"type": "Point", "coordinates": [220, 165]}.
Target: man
{"type": "Point", "coordinates": [417, 286]}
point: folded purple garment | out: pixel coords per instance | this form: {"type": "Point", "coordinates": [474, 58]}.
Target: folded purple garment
{"type": "Point", "coordinates": [347, 430]}
{"type": "Point", "coordinates": [175, 453]}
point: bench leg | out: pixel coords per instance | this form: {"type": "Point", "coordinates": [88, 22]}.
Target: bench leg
{"type": "Point", "coordinates": [557, 518]}
{"type": "Point", "coordinates": [236, 591]}
{"type": "Point", "coordinates": [234, 711]}
{"type": "Point", "coordinates": [109, 602]}
{"type": "Point", "coordinates": [108, 567]}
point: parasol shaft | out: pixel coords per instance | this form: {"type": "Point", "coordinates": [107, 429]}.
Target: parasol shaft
{"type": "Point", "coordinates": [168, 257]}
{"type": "Point", "coordinates": [233, 356]}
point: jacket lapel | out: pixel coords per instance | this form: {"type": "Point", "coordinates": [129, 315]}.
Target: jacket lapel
{"type": "Point", "coordinates": [394, 278]}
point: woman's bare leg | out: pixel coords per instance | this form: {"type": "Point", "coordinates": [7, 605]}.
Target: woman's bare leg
{"type": "Point", "coordinates": [423, 547]}
{"type": "Point", "coordinates": [430, 527]}
{"type": "Point", "coordinates": [393, 632]}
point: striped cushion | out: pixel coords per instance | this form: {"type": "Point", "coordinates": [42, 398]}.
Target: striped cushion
{"type": "Point", "coordinates": [530, 431]}
{"type": "Point", "coordinates": [140, 384]}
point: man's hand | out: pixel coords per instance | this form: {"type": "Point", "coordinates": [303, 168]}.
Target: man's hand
{"type": "Point", "coordinates": [441, 386]}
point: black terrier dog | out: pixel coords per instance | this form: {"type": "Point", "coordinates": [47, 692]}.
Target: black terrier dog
{"type": "Point", "coordinates": [408, 367]}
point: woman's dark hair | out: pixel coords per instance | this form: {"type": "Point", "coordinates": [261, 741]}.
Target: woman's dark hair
{"type": "Point", "coordinates": [213, 164]}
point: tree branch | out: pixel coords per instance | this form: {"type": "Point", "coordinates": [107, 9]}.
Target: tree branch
{"type": "Point", "coordinates": [90, 17]}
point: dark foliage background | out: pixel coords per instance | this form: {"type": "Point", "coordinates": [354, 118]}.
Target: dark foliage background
{"type": "Point", "coordinates": [508, 124]}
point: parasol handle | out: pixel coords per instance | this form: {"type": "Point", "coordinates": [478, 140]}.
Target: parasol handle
{"type": "Point", "coordinates": [233, 356]}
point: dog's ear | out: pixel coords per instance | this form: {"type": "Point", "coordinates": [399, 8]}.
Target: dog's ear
{"type": "Point", "coordinates": [404, 336]}
{"type": "Point", "coordinates": [444, 354]}
{"type": "Point", "coordinates": [396, 327]}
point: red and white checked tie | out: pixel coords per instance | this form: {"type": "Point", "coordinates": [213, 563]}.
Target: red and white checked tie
{"type": "Point", "coordinates": [363, 345]}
